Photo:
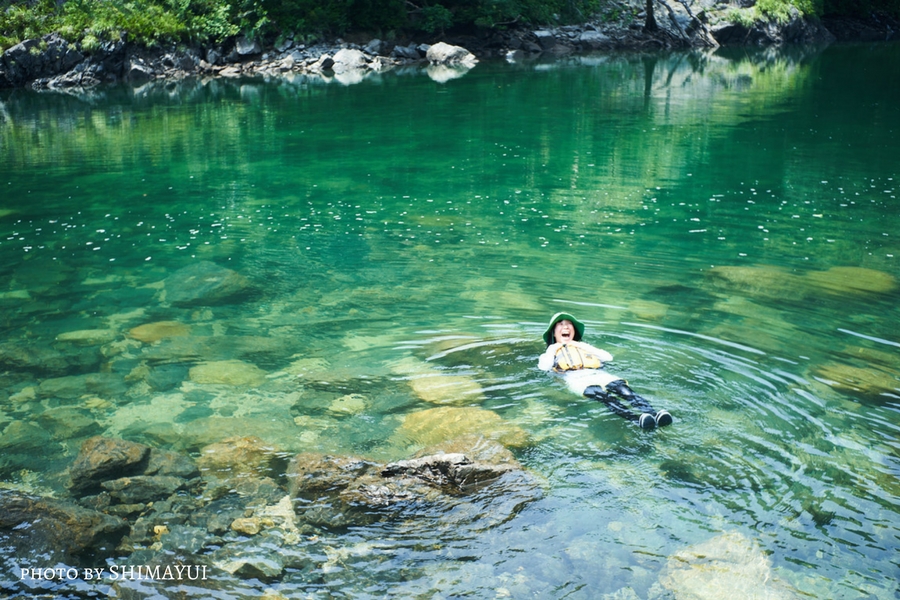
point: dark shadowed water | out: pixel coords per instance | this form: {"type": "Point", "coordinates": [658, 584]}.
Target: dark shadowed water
{"type": "Point", "coordinates": [725, 224]}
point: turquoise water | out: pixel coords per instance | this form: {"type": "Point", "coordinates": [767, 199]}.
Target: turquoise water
{"type": "Point", "coordinates": [725, 224]}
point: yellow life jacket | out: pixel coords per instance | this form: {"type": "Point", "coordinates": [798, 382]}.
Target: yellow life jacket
{"type": "Point", "coordinates": [570, 357]}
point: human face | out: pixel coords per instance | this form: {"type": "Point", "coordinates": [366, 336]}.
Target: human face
{"type": "Point", "coordinates": [564, 332]}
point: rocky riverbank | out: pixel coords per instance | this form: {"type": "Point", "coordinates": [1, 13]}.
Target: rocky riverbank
{"type": "Point", "coordinates": [236, 509]}
{"type": "Point", "coordinates": [53, 62]}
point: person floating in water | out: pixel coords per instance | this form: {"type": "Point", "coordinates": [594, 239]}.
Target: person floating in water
{"type": "Point", "coordinates": [581, 365]}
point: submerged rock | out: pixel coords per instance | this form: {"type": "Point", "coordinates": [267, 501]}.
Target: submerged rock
{"type": "Point", "coordinates": [350, 404]}
{"type": "Point", "coordinates": [648, 310]}
{"type": "Point", "coordinates": [868, 381]}
{"type": "Point", "coordinates": [108, 385]}
{"type": "Point", "coordinates": [21, 436]}
{"type": "Point", "coordinates": [716, 568]}
{"type": "Point", "coordinates": [238, 456]}
{"type": "Point", "coordinates": [761, 281]}
{"type": "Point", "coordinates": [165, 377]}
{"type": "Point", "coordinates": [311, 475]}
{"type": "Point", "coordinates": [228, 372]}
{"type": "Point", "coordinates": [779, 284]}
{"type": "Point", "coordinates": [50, 531]}
{"type": "Point", "coordinates": [165, 462]}
{"type": "Point", "coordinates": [68, 422]}
{"type": "Point", "coordinates": [181, 349]}
{"type": "Point", "coordinates": [246, 525]}
{"type": "Point", "coordinates": [250, 561]}
{"type": "Point", "coordinates": [153, 332]}
{"type": "Point", "coordinates": [142, 488]}
{"type": "Point", "coordinates": [436, 386]}
{"type": "Point", "coordinates": [853, 280]}
{"type": "Point", "coordinates": [88, 337]}
{"type": "Point", "coordinates": [443, 389]}
{"type": "Point", "coordinates": [343, 491]}
{"type": "Point", "coordinates": [205, 284]}
{"type": "Point", "coordinates": [437, 425]}
{"type": "Point", "coordinates": [45, 361]}
{"type": "Point", "coordinates": [204, 431]}
{"type": "Point", "coordinates": [102, 458]}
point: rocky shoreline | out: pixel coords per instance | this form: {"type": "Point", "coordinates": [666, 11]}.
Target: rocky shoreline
{"type": "Point", "coordinates": [52, 62]}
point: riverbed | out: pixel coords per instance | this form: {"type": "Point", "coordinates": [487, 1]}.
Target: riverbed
{"type": "Point", "coordinates": [724, 223]}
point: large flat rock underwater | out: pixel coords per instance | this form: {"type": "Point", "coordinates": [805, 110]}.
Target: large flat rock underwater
{"type": "Point", "coordinates": [777, 283]}
{"type": "Point", "coordinates": [205, 283]}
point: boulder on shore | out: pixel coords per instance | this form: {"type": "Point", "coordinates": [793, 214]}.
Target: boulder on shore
{"type": "Point", "coordinates": [349, 59]}
{"type": "Point", "coordinates": [446, 54]}
{"type": "Point", "coordinates": [36, 58]}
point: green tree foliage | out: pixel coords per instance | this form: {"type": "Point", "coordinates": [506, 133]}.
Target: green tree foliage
{"type": "Point", "coordinates": [780, 10]}
{"type": "Point", "coordinates": [205, 19]}
{"type": "Point", "coordinates": [150, 22]}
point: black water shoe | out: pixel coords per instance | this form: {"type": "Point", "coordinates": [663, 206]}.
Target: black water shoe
{"type": "Point", "coordinates": [663, 418]}
{"type": "Point", "coordinates": [646, 421]}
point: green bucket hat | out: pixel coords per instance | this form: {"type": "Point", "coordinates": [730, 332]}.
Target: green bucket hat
{"type": "Point", "coordinates": [579, 326]}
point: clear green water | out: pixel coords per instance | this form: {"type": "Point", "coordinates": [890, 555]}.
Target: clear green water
{"type": "Point", "coordinates": [726, 225]}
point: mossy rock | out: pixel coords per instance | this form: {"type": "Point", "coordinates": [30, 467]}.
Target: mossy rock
{"type": "Point", "coordinates": [867, 381]}
{"type": "Point", "coordinates": [445, 389]}
{"type": "Point", "coordinates": [648, 310]}
{"type": "Point", "coordinates": [760, 281]}
{"type": "Point", "coordinates": [439, 425]}
{"type": "Point", "coordinates": [153, 332]}
{"type": "Point", "coordinates": [228, 372]}
{"type": "Point", "coordinates": [856, 280]}
{"type": "Point", "coordinates": [779, 284]}
{"type": "Point", "coordinates": [435, 386]}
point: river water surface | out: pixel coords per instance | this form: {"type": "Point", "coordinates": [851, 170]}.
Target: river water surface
{"type": "Point", "coordinates": [725, 224]}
